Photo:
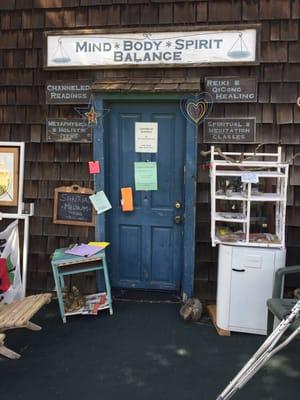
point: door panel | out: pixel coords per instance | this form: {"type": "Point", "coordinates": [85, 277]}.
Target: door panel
{"type": "Point", "coordinates": [146, 244]}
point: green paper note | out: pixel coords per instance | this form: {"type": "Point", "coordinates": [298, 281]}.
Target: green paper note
{"type": "Point", "coordinates": [100, 202]}
{"type": "Point", "coordinates": [145, 175]}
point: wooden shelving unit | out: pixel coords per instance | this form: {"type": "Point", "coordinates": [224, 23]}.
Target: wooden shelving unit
{"type": "Point", "coordinates": [250, 172]}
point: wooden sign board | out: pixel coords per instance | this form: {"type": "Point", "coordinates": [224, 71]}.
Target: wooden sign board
{"type": "Point", "coordinates": [231, 89]}
{"type": "Point", "coordinates": [68, 92]}
{"type": "Point", "coordinates": [72, 206]}
{"type": "Point", "coordinates": [68, 130]}
{"type": "Point", "coordinates": [186, 46]}
{"type": "Point", "coordinates": [229, 130]}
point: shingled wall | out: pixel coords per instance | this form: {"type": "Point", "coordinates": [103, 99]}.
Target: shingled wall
{"type": "Point", "coordinates": [23, 109]}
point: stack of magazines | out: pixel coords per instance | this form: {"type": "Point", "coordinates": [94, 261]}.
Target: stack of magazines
{"type": "Point", "coordinates": [94, 303]}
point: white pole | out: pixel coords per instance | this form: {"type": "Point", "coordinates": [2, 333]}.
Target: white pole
{"type": "Point", "coordinates": [25, 253]}
{"type": "Point", "coordinates": [21, 178]}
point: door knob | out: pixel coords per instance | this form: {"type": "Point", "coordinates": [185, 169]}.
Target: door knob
{"type": "Point", "coordinates": [178, 204]}
{"type": "Point", "coordinates": [178, 219]}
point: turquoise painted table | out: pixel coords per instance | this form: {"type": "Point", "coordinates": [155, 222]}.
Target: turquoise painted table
{"type": "Point", "coordinates": [66, 264]}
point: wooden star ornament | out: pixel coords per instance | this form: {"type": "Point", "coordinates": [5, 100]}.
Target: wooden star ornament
{"type": "Point", "coordinates": [92, 116]}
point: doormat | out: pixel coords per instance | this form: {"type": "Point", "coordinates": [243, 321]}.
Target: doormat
{"type": "Point", "coordinates": [146, 296]}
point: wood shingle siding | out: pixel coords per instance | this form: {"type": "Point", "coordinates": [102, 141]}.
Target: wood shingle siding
{"type": "Point", "coordinates": [23, 110]}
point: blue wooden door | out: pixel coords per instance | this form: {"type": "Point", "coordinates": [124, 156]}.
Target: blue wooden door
{"type": "Point", "coordinates": [146, 244]}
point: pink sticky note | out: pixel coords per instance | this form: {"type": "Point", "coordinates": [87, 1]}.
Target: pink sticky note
{"type": "Point", "coordinates": [94, 167]}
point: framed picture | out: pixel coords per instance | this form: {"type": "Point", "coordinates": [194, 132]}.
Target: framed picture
{"type": "Point", "coordinates": [9, 175]}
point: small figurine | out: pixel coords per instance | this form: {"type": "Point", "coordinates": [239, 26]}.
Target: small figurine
{"type": "Point", "coordinates": [73, 300]}
{"type": "Point", "coordinates": [191, 310]}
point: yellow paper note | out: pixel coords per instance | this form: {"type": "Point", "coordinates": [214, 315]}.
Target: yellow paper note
{"type": "Point", "coordinates": [100, 244]}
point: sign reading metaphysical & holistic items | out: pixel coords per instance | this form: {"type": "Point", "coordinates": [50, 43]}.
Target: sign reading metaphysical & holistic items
{"type": "Point", "coordinates": [146, 137]}
{"type": "Point", "coordinates": [190, 48]}
{"type": "Point", "coordinates": [229, 130]}
{"type": "Point", "coordinates": [231, 89]}
{"type": "Point", "coordinates": [72, 206]}
{"type": "Point", "coordinates": [68, 92]}
{"type": "Point", "coordinates": [68, 130]}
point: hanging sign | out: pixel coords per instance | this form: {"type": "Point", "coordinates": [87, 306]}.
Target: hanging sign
{"type": "Point", "coordinates": [72, 206]}
{"type": "Point", "coordinates": [68, 130]}
{"type": "Point", "coordinates": [146, 137]}
{"type": "Point", "coordinates": [68, 92]}
{"type": "Point", "coordinates": [232, 89]}
{"type": "Point", "coordinates": [229, 130]}
{"type": "Point", "coordinates": [190, 48]}
{"type": "Point", "coordinates": [145, 175]}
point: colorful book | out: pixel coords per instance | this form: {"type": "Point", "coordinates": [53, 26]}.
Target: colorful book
{"type": "Point", "coordinates": [83, 250]}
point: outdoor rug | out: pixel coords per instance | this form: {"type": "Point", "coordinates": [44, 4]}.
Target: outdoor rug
{"type": "Point", "coordinates": [144, 351]}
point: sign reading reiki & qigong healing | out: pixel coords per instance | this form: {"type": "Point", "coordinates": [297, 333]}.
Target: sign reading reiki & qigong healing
{"type": "Point", "coordinates": [190, 48]}
{"type": "Point", "coordinates": [68, 130]}
{"type": "Point", "coordinates": [68, 92]}
{"type": "Point", "coordinates": [229, 130]}
{"type": "Point", "coordinates": [231, 89]}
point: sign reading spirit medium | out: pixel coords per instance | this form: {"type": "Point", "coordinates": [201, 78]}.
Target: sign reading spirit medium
{"type": "Point", "coordinates": [218, 46]}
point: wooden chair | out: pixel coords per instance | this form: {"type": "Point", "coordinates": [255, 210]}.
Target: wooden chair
{"type": "Point", "coordinates": [18, 315]}
{"type": "Point", "coordinates": [277, 306]}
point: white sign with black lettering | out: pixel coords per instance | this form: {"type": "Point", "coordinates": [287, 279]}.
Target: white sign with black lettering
{"type": "Point", "coordinates": [153, 48]}
{"type": "Point", "coordinates": [146, 137]}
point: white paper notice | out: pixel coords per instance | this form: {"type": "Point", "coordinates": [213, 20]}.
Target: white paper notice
{"type": "Point", "coordinates": [146, 137]}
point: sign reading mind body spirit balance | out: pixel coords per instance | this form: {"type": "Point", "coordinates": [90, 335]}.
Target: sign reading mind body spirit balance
{"type": "Point", "coordinates": [72, 206]}
{"type": "Point", "coordinates": [146, 137]}
{"type": "Point", "coordinates": [231, 89]}
{"type": "Point", "coordinates": [68, 92]}
{"type": "Point", "coordinates": [214, 46]}
{"type": "Point", "coordinates": [145, 175]}
{"type": "Point", "coordinates": [229, 130]}
{"type": "Point", "coordinates": [68, 130]}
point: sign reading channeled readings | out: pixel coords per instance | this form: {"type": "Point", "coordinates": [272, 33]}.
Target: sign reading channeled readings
{"type": "Point", "coordinates": [146, 49]}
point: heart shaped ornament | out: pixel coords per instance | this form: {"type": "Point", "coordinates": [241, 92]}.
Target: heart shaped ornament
{"type": "Point", "coordinates": [197, 107]}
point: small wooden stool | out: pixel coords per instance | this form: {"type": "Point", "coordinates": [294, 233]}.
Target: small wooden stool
{"type": "Point", "coordinates": [64, 264]}
{"type": "Point", "coordinates": [18, 315]}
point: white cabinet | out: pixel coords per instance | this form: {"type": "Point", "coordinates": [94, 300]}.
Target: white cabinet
{"type": "Point", "coordinates": [247, 182]}
{"type": "Point", "coordinates": [245, 282]}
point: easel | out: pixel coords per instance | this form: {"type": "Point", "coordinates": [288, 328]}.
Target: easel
{"type": "Point", "coordinates": [20, 214]}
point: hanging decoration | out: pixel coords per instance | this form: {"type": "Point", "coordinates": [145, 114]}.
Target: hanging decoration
{"type": "Point", "coordinates": [92, 116]}
{"type": "Point", "coordinates": [196, 107]}
{"type": "Point", "coordinates": [91, 113]}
